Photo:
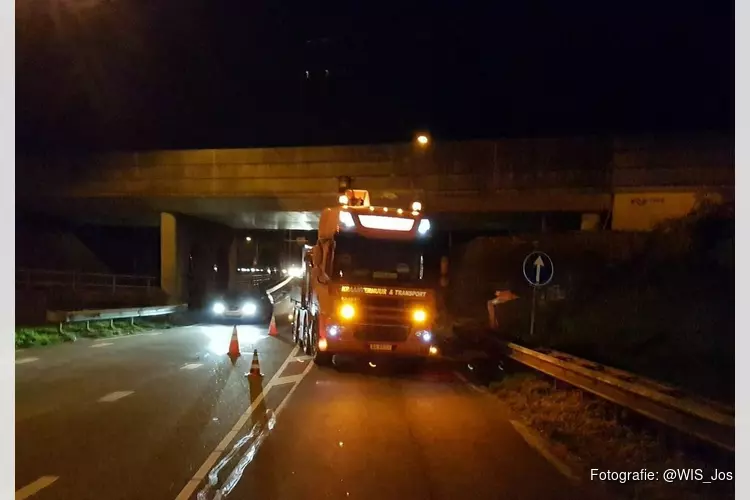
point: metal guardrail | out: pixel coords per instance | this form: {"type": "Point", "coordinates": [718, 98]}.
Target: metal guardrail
{"type": "Point", "coordinates": [88, 315]}
{"type": "Point", "coordinates": [42, 278]}
{"type": "Point", "coordinates": [703, 419]}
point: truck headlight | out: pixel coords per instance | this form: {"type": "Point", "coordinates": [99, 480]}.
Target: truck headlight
{"type": "Point", "coordinates": [219, 308]}
{"type": "Point", "coordinates": [419, 315]}
{"type": "Point", "coordinates": [347, 311]}
{"type": "Point", "coordinates": [425, 335]}
{"type": "Point", "coordinates": [248, 308]}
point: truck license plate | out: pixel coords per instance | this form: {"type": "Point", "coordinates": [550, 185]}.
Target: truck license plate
{"type": "Point", "coordinates": [381, 347]}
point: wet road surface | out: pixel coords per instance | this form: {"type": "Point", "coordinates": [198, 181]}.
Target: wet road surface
{"type": "Point", "coordinates": [167, 416]}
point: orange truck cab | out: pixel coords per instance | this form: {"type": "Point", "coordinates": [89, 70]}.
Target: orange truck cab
{"type": "Point", "coordinates": [364, 290]}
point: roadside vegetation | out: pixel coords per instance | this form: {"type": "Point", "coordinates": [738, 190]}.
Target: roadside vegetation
{"type": "Point", "coordinates": [589, 433]}
{"type": "Point", "coordinates": [658, 304]}
{"type": "Point", "coordinates": [49, 334]}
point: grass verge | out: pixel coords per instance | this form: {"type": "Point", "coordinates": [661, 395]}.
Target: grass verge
{"type": "Point", "coordinates": [592, 434]}
{"type": "Point", "coordinates": [49, 334]}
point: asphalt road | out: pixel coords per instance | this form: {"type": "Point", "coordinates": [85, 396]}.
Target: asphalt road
{"type": "Point", "coordinates": [167, 416]}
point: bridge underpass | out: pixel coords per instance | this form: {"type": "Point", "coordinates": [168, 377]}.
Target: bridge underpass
{"type": "Point", "coordinates": [199, 197]}
{"type": "Point", "coordinates": [285, 188]}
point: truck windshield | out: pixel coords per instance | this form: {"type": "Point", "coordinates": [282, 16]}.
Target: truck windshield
{"type": "Point", "coordinates": [360, 260]}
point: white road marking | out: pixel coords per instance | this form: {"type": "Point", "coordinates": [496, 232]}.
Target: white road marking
{"type": "Point", "coordinates": [114, 396]}
{"type": "Point", "coordinates": [287, 380]}
{"type": "Point", "coordinates": [214, 456]}
{"type": "Point", "coordinates": [35, 487]}
{"type": "Point", "coordinates": [531, 437]}
{"type": "Point", "coordinates": [463, 379]}
{"type": "Point", "coordinates": [537, 442]}
{"type": "Point", "coordinates": [23, 361]}
{"type": "Point", "coordinates": [191, 366]}
{"type": "Point", "coordinates": [101, 344]}
{"type": "Point", "coordinates": [303, 358]}
{"type": "Point", "coordinates": [143, 334]}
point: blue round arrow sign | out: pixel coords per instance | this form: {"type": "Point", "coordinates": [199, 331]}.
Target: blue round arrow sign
{"type": "Point", "coordinates": [538, 268]}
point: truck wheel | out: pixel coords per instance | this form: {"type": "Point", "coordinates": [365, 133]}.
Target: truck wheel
{"type": "Point", "coordinates": [295, 328]}
{"type": "Point", "coordinates": [307, 339]}
{"type": "Point", "coordinates": [323, 358]}
{"type": "Point", "coordinates": [319, 358]}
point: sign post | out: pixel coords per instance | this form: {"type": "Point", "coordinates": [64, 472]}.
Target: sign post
{"type": "Point", "coordinates": [538, 271]}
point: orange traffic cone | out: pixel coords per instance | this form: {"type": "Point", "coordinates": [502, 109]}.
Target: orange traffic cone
{"type": "Point", "coordinates": [272, 327]}
{"type": "Point", "coordinates": [255, 381]}
{"type": "Point", "coordinates": [234, 345]}
{"type": "Point", "coordinates": [255, 366]}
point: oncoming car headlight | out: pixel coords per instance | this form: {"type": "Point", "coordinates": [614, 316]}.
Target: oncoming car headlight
{"type": "Point", "coordinates": [248, 308]}
{"type": "Point", "coordinates": [219, 308]}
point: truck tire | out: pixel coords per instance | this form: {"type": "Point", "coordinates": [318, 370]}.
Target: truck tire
{"type": "Point", "coordinates": [323, 358]}
{"type": "Point", "coordinates": [295, 328]}
{"type": "Point", "coordinates": [319, 358]}
{"type": "Point", "coordinates": [307, 340]}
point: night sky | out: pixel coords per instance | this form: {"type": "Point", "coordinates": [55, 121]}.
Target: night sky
{"type": "Point", "coordinates": [122, 74]}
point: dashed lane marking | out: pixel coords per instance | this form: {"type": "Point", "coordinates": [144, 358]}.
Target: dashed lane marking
{"type": "Point", "coordinates": [23, 361]}
{"type": "Point", "coordinates": [114, 396]}
{"type": "Point", "coordinates": [131, 335]}
{"type": "Point", "coordinates": [191, 366]}
{"type": "Point", "coordinates": [214, 456]}
{"type": "Point", "coordinates": [35, 487]}
{"type": "Point", "coordinates": [101, 344]}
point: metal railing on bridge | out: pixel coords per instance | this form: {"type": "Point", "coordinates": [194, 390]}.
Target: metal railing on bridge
{"type": "Point", "coordinates": [30, 279]}
{"type": "Point", "coordinates": [255, 279]}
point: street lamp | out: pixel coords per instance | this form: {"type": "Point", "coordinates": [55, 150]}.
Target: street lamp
{"type": "Point", "coordinates": [423, 140]}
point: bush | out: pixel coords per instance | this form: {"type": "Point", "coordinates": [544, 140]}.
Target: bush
{"type": "Point", "coordinates": [659, 304]}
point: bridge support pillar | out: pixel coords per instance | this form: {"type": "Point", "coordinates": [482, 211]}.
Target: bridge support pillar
{"type": "Point", "coordinates": [198, 257]}
{"type": "Point", "coordinates": [174, 258]}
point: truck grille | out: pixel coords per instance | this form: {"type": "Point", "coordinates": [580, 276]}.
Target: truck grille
{"type": "Point", "coordinates": [383, 333]}
{"type": "Point", "coordinates": [391, 311]}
